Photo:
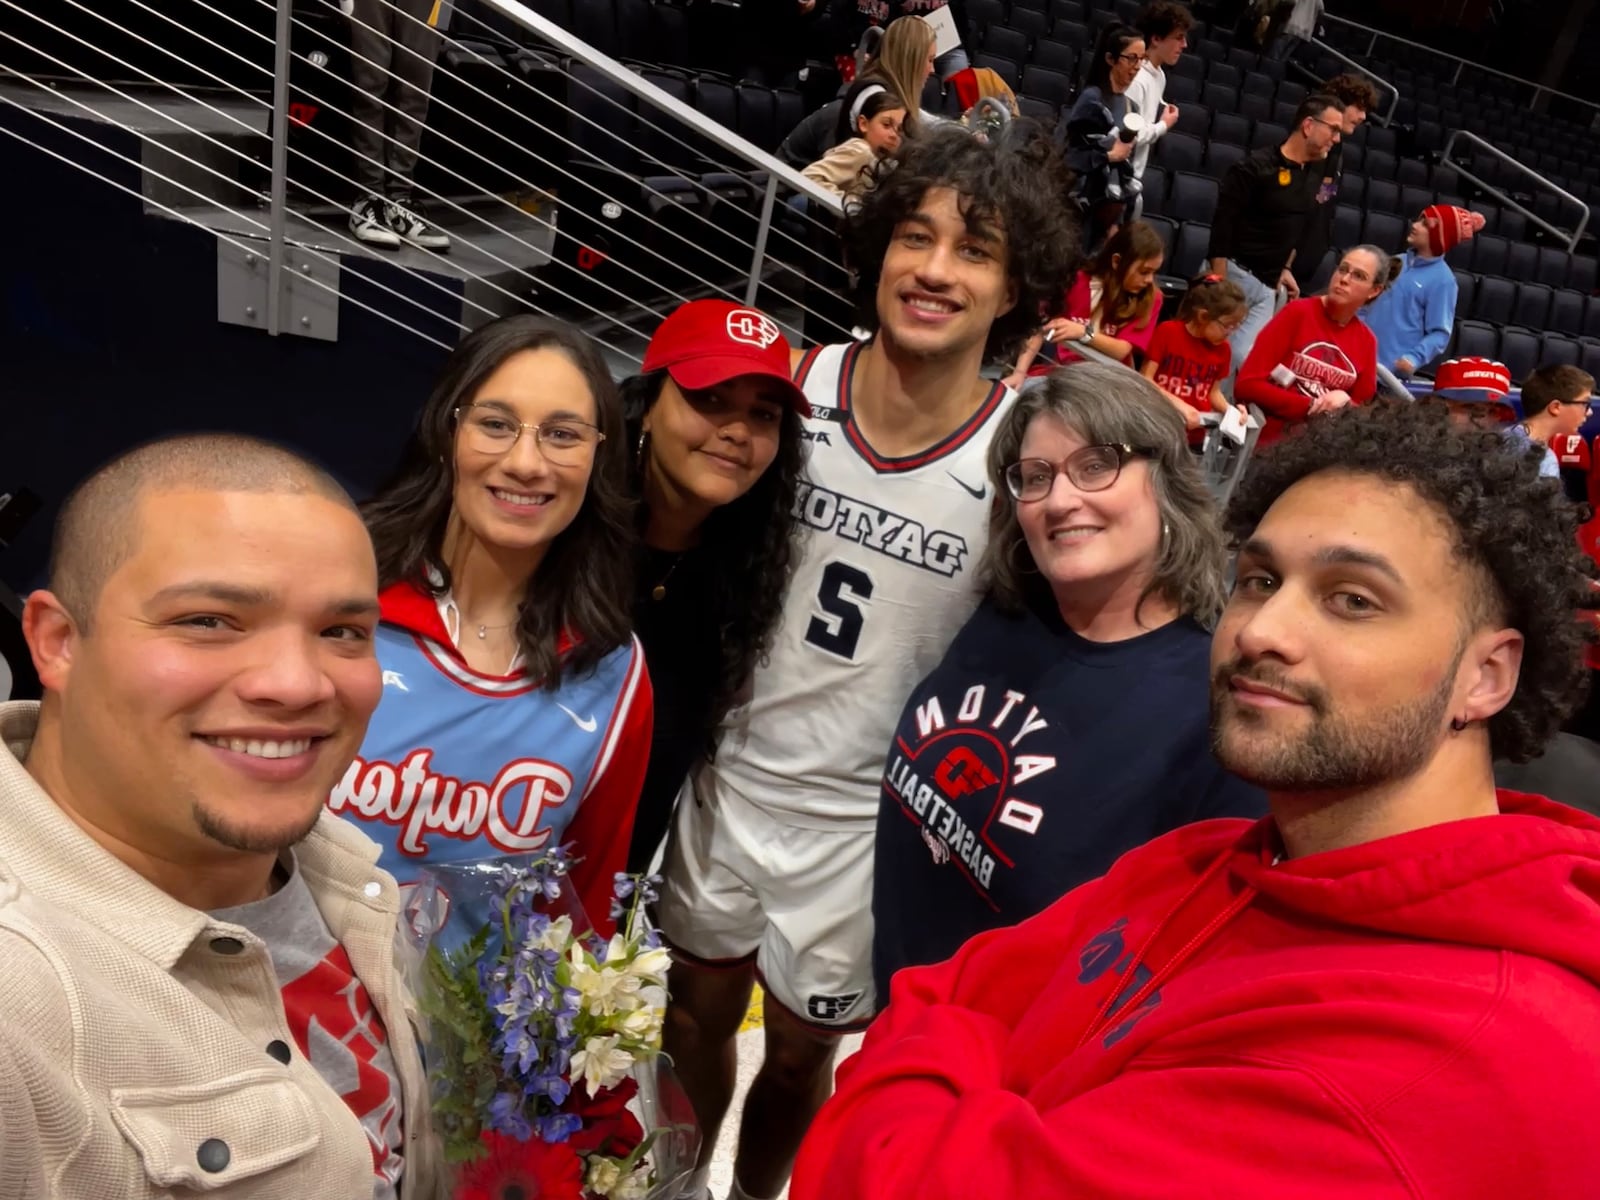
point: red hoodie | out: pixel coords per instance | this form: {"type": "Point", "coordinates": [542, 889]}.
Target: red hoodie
{"type": "Point", "coordinates": [1320, 354]}
{"type": "Point", "coordinates": [1415, 1017]}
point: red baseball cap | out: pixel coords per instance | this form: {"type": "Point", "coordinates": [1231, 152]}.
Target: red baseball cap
{"type": "Point", "coordinates": [1472, 380]}
{"type": "Point", "coordinates": [707, 342]}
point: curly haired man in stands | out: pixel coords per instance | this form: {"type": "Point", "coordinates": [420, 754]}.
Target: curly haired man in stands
{"type": "Point", "coordinates": [1389, 987]}
{"type": "Point", "coordinates": [1358, 98]}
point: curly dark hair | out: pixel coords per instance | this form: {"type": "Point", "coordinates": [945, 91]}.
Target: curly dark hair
{"type": "Point", "coordinates": [1016, 181]}
{"type": "Point", "coordinates": [584, 583]}
{"type": "Point", "coordinates": [1516, 530]}
{"type": "Point", "coordinates": [750, 547]}
{"type": "Point", "coordinates": [1163, 18]}
{"type": "Point", "coordinates": [1352, 90]}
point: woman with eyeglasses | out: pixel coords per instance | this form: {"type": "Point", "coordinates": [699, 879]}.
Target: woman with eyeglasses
{"type": "Point", "coordinates": [1099, 135]}
{"type": "Point", "coordinates": [1315, 357]}
{"type": "Point", "coordinates": [1068, 722]}
{"type": "Point", "coordinates": [516, 709]}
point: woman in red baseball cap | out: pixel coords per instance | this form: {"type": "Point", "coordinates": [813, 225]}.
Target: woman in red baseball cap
{"type": "Point", "coordinates": [714, 430]}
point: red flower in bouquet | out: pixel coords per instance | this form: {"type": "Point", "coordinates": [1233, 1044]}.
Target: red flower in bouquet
{"type": "Point", "coordinates": [513, 1170]}
{"type": "Point", "coordinates": [608, 1127]}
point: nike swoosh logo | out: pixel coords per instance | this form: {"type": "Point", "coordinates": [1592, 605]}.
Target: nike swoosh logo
{"type": "Point", "coordinates": [977, 493]}
{"type": "Point", "coordinates": [587, 724]}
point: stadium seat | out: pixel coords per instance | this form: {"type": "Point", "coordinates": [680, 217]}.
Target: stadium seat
{"type": "Point", "coordinates": [1031, 23]}
{"type": "Point", "coordinates": [1167, 230]}
{"type": "Point", "coordinates": [1183, 91]}
{"type": "Point", "coordinates": [1222, 155]}
{"type": "Point", "coordinates": [1156, 184]}
{"type": "Point", "coordinates": [1270, 133]}
{"type": "Point", "coordinates": [1495, 301]}
{"type": "Point", "coordinates": [1532, 309]}
{"type": "Point", "coordinates": [633, 31]}
{"type": "Point", "coordinates": [1192, 197]}
{"type": "Point", "coordinates": [1383, 195]}
{"type": "Point", "coordinates": [1444, 179]}
{"type": "Point", "coordinates": [984, 13]}
{"type": "Point", "coordinates": [1551, 265]}
{"type": "Point", "coordinates": [1566, 312]}
{"type": "Point", "coordinates": [1242, 60]}
{"type": "Point", "coordinates": [1353, 155]}
{"type": "Point", "coordinates": [1073, 33]}
{"type": "Point", "coordinates": [1259, 85]}
{"type": "Point", "coordinates": [1050, 86]}
{"type": "Point", "coordinates": [1219, 97]}
{"type": "Point", "coordinates": [1346, 226]}
{"type": "Point", "coordinates": [1257, 108]}
{"type": "Point", "coordinates": [1581, 273]}
{"type": "Point", "coordinates": [1283, 113]}
{"type": "Point", "coordinates": [1380, 164]}
{"type": "Point", "coordinates": [1589, 355]}
{"type": "Point", "coordinates": [669, 33]}
{"type": "Point", "coordinates": [1379, 138]}
{"type": "Point", "coordinates": [1353, 188]}
{"type": "Point", "coordinates": [1559, 349]}
{"type": "Point", "coordinates": [1193, 119]}
{"type": "Point", "coordinates": [1190, 65]}
{"type": "Point", "coordinates": [1231, 128]}
{"type": "Point", "coordinates": [757, 121]}
{"type": "Point", "coordinates": [1476, 339]}
{"type": "Point", "coordinates": [1057, 56]}
{"type": "Point", "coordinates": [1519, 350]}
{"type": "Point", "coordinates": [1513, 226]}
{"type": "Point", "coordinates": [1006, 68]}
{"type": "Point", "coordinates": [595, 22]}
{"type": "Point", "coordinates": [1291, 93]}
{"type": "Point", "coordinates": [1489, 254]}
{"type": "Point", "coordinates": [1467, 291]}
{"type": "Point", "coordinates": [1038, 110]}
{"type": "Point", "coordinates": [1272, 68]}
{"type": "Point", "coordinates": [1522, 259]}
{"type": "Point", "coordinates": [1412, 171]}
{"type": "Point", "coordinates": [1003, 40]}
{"type": "Point", "coordinates": [1413, 200]}
{"type": "Point", "coordinates": [1180, 152]}
{"type": "Point", "coordinates": [1189, 254]}
{"type": "Point", "coordinates": [1225, 74]}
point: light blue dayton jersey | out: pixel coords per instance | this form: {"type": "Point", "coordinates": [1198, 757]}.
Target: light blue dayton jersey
{"type": "Point", "coordinates": [888, 551]}
{"type": "Point", "coordinates": [458, 766]}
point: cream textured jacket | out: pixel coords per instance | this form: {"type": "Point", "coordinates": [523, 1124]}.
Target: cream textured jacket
{"type": "Point", "coordinates": [133, 1029]}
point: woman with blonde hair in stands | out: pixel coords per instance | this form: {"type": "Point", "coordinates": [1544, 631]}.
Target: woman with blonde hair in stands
{"type": "Point", "coordinates": [902, 66]}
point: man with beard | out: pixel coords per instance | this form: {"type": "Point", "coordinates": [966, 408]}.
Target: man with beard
{"type": "Point", "coordinates": [1390, 987]}
{"type": "Point", "coordinates": [196, 962]}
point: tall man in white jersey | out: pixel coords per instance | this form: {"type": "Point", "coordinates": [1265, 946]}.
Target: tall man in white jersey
{"type": "Point", "coordinates": [769, 868]}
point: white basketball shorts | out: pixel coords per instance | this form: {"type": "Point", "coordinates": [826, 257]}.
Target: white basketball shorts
{"type": "Point", "coordinates": [739, 884]}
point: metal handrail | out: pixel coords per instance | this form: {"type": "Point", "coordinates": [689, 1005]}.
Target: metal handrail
{"type": "Point", "coordinates": [613, 70]}
{"type": "Point", "coordinates": [1461, 63]}
{"type": "Point", "coordinates": [1394, 93]}
{"type": "Point", "coordinates": [1506, 201]}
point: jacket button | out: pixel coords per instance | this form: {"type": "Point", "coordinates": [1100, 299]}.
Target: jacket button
{"type": "Point", "coordinates": [227, 945]}
{"type": "Point", "coordinates": [213, 1155]}
{"type": "Point", "coordinates": [279, 1050]}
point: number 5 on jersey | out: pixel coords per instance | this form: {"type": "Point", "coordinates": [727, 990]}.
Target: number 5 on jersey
{"type": "Point", "coordinates": [843, 597]}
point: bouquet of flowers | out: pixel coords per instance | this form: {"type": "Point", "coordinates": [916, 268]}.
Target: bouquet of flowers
{"type": "Point", "coordinates": [542, 1039]}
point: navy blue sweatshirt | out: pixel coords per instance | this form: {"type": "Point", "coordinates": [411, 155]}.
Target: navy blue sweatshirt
{"type": "Point", "coordinates": [1026, 764]}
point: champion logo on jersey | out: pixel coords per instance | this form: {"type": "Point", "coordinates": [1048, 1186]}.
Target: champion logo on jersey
{"type": "Point", "coordinates": [752, 328]}
{"type": "Point", "coordinates": [1322, 367]}
{"type": "Point", "coordinates": [957, 780]}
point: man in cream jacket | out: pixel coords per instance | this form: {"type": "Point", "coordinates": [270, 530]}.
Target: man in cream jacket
{"type": "Point", "coordinates": [197, 966]}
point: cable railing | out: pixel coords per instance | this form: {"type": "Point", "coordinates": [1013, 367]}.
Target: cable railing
{"type": "Point", "coordinates": [1384, 118]}
{"type": "Point", "coordinates": [698, 216]}
{"type": "Point", "coordinates": [1569, 237]}
{"type": "Point", "coordinates": [1536, 90]}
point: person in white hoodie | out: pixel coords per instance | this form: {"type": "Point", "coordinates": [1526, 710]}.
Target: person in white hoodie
{"type": "Point", "coordinates": [1165, 25]}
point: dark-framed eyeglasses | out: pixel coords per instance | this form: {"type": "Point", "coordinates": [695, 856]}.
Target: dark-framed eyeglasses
{"type": "Point", "coordinates": [1130, 58]}
{"type": "Point", "coordinates": [1091, 469]}
{"type": "Point", "coordinates": [490, 430]}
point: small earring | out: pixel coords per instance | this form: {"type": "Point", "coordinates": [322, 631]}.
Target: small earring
{"type": "Point", "coordinates": [1457, 724]}
{"type": "Point", "coordinates": [638, 447]}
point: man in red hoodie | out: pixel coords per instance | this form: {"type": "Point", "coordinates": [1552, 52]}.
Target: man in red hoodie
{"type": "Point", "coordinates": [1390, 987]}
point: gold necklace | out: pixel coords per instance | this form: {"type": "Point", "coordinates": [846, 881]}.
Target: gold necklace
{"type": "Point", "coordinates": [659, 592]}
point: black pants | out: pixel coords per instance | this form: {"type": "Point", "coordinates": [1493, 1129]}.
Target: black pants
{"type": "Point", "coordinates": [392, 55]}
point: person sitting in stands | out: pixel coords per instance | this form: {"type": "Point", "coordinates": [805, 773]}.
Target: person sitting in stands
{"type": "Point", "coordinates": [1414, 319]}
{"type": "Point", "coordinates": [847, 170]}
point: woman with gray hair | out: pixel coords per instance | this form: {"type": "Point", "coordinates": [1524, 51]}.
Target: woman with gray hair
{"type": "Point", "coordinates": [1068, 722]}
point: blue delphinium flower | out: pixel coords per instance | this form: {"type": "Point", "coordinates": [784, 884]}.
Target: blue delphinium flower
{"type": "Point", "coordinates": [557, 1127]}
{"type": "Point", "coordinates": [505, 1116]}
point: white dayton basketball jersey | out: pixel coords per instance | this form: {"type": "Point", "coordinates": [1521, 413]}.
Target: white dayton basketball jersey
{"type": "Point", "coordinates": [888, 553]}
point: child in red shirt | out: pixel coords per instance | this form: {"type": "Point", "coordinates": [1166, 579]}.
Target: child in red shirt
{"type": "Point", "coordinates": [1189, 357]}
